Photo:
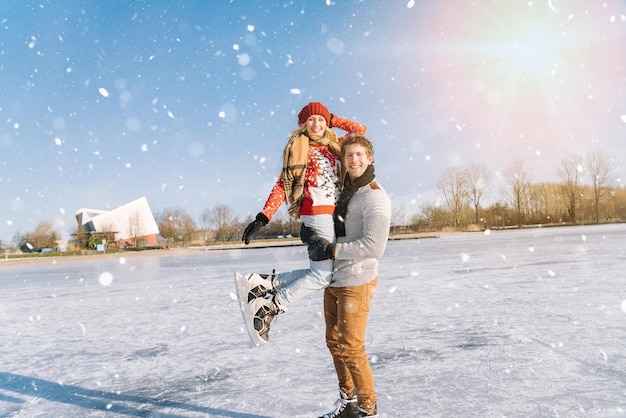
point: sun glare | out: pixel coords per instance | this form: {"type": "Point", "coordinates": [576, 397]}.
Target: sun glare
{"type": "Point", "coordinates": [529, 56]}
{"type": "Point", "coordinates": [529, 72]}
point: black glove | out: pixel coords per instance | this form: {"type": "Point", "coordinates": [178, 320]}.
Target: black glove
{"type": "Point", "coordinates": [306, 233]}
{"type": "Point", "coordinates": [320, 249]}
{"type": "Point", "coordinates": [260, 221]}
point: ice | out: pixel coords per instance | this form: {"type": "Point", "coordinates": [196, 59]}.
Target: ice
{"type": "Point", "coordinates": [505, 332]}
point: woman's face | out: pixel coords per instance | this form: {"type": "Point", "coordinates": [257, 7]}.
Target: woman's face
{"type": "Point", "coordinates": [315, 125]}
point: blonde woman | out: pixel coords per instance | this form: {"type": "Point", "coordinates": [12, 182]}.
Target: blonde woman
{"type": "Point", "coordinates": [309, 184]}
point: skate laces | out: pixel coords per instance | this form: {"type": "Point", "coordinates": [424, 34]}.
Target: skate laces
{"type": "Point", "coordinates": [271, 278]}
{"type": "Point", "coordinates": [340, 406]}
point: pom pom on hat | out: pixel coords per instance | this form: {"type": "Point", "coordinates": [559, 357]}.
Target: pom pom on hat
{"type": "Point", "coordinates": [313, 108]}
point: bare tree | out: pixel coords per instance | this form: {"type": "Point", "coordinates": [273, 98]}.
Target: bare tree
{"type": "Point", "coordinates": [518, 178]}
{"type": "Point", "coordinates": [497, 215]}
{"type": "Point", "coordinates": [453, 185]}
{"type": "Point", "coordinates": [546, 203]}
{"type": "Point", "coordinates": [570, 172]}
{"type": "Point", "coordinates": [399, 218]}
{"type": "Point", "coordinates": [478, 181]}
{"type": "Point", "coordinates": [600, 169]}
{"type": "Point", "coordinates": [44, 236]}
{"type": "Point", "coordinates": [175, 225]}
{"type": "Point", "coordinates": [220, 219]}
{"type": "Point", "coordinates": [81, 236]}
{"type": "Point", "coordinates": [134, 227]}
{"type": "Point", "coordinates": [435, 217]}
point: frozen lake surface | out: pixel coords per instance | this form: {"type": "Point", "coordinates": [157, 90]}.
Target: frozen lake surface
{"type": "Point", "coordinates": [527, 323]}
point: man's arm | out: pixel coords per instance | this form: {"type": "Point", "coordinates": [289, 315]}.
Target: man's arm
{"type": "Point", "coordinates": [371, 243]}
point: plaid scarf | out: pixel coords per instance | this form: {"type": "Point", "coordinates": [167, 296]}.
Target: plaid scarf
{"type": "Point", "coordinates": [295, 159]}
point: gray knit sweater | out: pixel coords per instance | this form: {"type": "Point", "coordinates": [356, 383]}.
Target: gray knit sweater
{"type": "Point", "coordinates": [367, 230]}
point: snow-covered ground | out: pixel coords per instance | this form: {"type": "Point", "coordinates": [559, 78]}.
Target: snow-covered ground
{"type": "Point", "coordinates": [524, 323]}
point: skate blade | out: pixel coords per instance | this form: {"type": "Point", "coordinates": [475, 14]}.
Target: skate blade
{"type": "Point", "coordinates": [246, 313]}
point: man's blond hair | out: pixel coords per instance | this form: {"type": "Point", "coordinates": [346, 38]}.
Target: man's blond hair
{"type": "Point", "coordinates": [357, 140]}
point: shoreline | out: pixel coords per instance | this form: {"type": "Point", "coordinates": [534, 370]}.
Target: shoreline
{"type": "Point", "coordinates": [171, 252]}
{"type": "Point", "coordinates": [166, 252]}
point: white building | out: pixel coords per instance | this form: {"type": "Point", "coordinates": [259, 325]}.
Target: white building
{"type": "Point", "coordinates": [131, 223]}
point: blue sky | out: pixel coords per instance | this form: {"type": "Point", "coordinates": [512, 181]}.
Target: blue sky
{"type": "Point", "coordinates": [189, 104]}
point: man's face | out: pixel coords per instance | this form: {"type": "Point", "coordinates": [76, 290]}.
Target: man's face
{"type": "Point", "coordinates": [356, 160]}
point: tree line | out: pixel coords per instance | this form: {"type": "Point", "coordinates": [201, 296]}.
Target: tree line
{"type": "Point", "coordinates": [219, 224]}
{"type": "Point", "coordinates": [586, 193]}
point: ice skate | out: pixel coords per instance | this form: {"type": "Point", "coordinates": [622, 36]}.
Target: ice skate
{"type": "Point", "coordinates": [254, 293]}
{"type": "Point", "coordinates": [259, 285]}
{"type": "Point", "coordinates": [345, 407]}
{"type": "Point", "coordinates": [263, 310]}
{"type": "Point", "coordinates": [364, 413]}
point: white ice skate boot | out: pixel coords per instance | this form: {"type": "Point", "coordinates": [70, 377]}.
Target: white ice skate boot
{"type": "Point", "coordinates": [259, 285]}
{"type": "Point", "coordinates": [263, 310]}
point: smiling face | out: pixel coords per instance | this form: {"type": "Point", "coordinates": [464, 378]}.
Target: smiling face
{"type": "Point", "coordinates": [356, 160]}
{"type": "Point", "coordinates": [315, 125]}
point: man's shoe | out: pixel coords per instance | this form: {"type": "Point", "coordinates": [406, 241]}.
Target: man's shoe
{"type": "Point", "coordinates": [345, 407]}
{"type": "Point", "coordinates": [373, 414]}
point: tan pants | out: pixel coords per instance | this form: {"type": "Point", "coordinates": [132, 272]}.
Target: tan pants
{"type": "Point", "coordinates": [346, 310]}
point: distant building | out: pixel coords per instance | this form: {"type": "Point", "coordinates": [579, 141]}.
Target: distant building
{"type": "Point", "coordinates": [131, 224]}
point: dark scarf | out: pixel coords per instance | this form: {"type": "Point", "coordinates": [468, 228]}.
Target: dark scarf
{"type": "Point", "coordinates": [349, 189]}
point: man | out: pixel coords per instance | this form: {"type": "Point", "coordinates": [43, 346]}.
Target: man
{"type": "Point", "coordinates": [362, 220]}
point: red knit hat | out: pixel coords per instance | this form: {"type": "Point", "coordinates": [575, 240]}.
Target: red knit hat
{"type": "Point", "coordinates": [313, 108]}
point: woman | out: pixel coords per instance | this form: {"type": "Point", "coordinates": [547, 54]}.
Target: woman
{"type": "Point", "coordinates": [309, 184]}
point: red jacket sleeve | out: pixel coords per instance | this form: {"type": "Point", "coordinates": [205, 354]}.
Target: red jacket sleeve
{"type": "Point", "coordinates": [349, 126]}
{"type": "Point", "coordinates": [275, 199]}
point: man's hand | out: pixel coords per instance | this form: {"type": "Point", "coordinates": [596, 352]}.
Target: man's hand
{"type": "Point", "coordinates": [260, 221]}
{"type": "Point", "coordinates": [320, 249]}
